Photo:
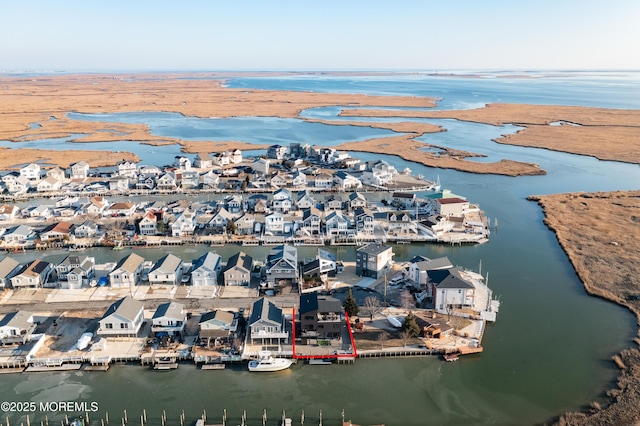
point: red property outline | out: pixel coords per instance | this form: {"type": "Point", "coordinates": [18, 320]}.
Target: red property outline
{"type": "Point", "coordinates": [334, 356]}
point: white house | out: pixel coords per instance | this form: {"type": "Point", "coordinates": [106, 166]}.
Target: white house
{"type": "Point", "coordinates": [123, 318]}
{"type": "Point", "coordinates": [167, 270]}
{"type": "Point", "coordinates": [450, 290]}
{"type": "Point", "coordinates": [126, 168]}
{"type": "Point", "coordinates": [79, 170]}
{"type": "Point", "coordinates": [282, 201]}
{"type": "Point", "coordinates": [31, 171]}
{"type": "Point", "coordinates": [169, 319]}
{"type": "Point", "coordinates": [148, 225]}
{"type": "Point", "coordinates": [267, 324]}
{"type": "Point", "coordinates": [418, 270]}
{"type": "Point", "coordinates": [274, 223]}
{"type": "Point", "coordinates": [16, 327]}
{"type": "Point", "coordinates": [206, 270]}
{"type": "Point", "coordinates": [126, 209]}
{"type": "Point", "coordinates": [48, 184]}
{"type": "Point", "coordinates": [127, 271]}
{"type": "Point", "coordinates": [236, 156]}
{"type": "Point", "coordinates": [336, 224]}
{"type": "Point", "coordinates": [344, 181]}
{"type": "Point", "coordinates": [8, 212]}
{"type": "Point", "coordinates": [86, 229]}
{"type": "Point", "coordinates": [19, 186]}
{"type": "Point", "coordinates": [203, 161]}
{"type": "Point", "coordinates": [217, 323]}
{"type": "Point", "coordinates": [261, 166]}
{"type": "Point", "coordinates": [184, 225]}
{"type": "Point", "coordinates": [33, 274]}
{"type": "Point", "coordinates": [451, 206]}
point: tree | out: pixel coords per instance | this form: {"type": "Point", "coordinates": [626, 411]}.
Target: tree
{"type": "Point", "coordinates": [231, 227]}
{"type": "Point", "coordinates": [406, 298]}
{"type": "Point", "coordinates": [410, 325]}
{"type": "Point", "coordinates": [372, 306]}
{"type": "Point", "coordinates": [350, 305]}
{"type": "Point", "coordinates": [405, 336]}
{"type": "Point", "coordinates": [382, 337]}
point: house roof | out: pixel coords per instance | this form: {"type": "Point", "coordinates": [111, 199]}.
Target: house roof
{"type": "Point", "coordinates": [34, 268]}
{"type": "Point", "coordinates": [407, 195]}
{"type": "Point", "coordinates": [7, 265]}
{"type": "Point", "coordinates": [208, 260]}
{"type": "Point", "coordinates": [121, 206]}
{"type": "Point", "coordinates": [374, 249]}
{"type": "Point", "coordinates": [127, 307]}
{"type": "Point", "coordinates": [218, 315]}
{"type": "Point", "coordinates": [431, 264]}
{"type": "Point", "coordinates": [170, 310]}
{"type": "Point", "coordinates": [264, 309]}
{"type": "Point", "coordinates": [308, 302]}
{"type": "Point", "coordinates": [329, 304]}
{"type": "Point", "coordinates": [241, 260]}
{"type": "Point", "coordinates": [60, 227]}
{"type": "Point", "coordinates": [448, 278]}
{"type": "Point", "coordinates": [19, 230]}
{"type": "Point", "coordinates": [21, 320]}
{"type": "Point", "coordinates": [451, 200]}
{"type": "Point", "coordinates": [284, 251]}
{"type": "Point", "coordinates": [169, 263]}
{"type": "Point", "coordinates": [130, 263]}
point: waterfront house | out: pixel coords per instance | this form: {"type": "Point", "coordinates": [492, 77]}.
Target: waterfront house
{"type": "Point", "coordinates": [356, 200]}
{"type": "Point", "coordinates": [451, 206]}
{"type": "Point", "coordinates": [181, 162]}
{"type": "Point", "coordinates": [19, 186]}
{"type": "Point", "coordinates": [221, 159]}
{"type": "Point", "coordinates": [400, 223]}
{"type": "Point", "coordinates": [126, 168]}
{"type": "Point", "coordinates": [305, 200]}
{"type": "Point", "coordinates": [17, 234]}
{"type": "Point", "coordinates": [320, 316]}
{"type": "Point", "coordinates": [217, 323]}
{"type": "Point", "coordinates": [315, 272]}
{"type": "Point", "coordinates": [33, 274]}
{"type": "Point", "coordinates": [127, 271]}
{"type": "Point", "coordinates": [122, 318]}
{"type": "Point", "coordinates": [333, 202]}
{"type": "Point", "coordinates": [8, 212]}
{"type": "Point", "coordinates": [210, 180]}
{"type": "Point", "coordinates": [56, 232]}
{"type": "Point", "coordinates": [206, 270]}
{"type": "Point", "coordinates": [236, 156]}
{"type": "Point", "coordinates": [8, 268]}
{"type": "Point", "coordinates": [148, 225]}
{"type": "Point", "coordinates": [257, 201]}
{"type": "Point", "coordinates": [86, 229]}
{"type": "Point", "coordinates": [345, 181]}
{"type": "Point", "coordinates": [79, 170]}
{"type": "Point", "coordinates": [16, 327]}
{"type": "Point", "coordinates": [277, 152]}
{"type": "Point", "coordinates": [10, 177]}
{"type": "Point", "coordinates": [282, 266]}
{"type": "Point", "coordinates": [48, 184]}
{"type": "Point", "coordinates": [167, 270]}
{"type": "Point", "coordinates": [261, 166]}
{"type": "Point", "coordinates": [299, 180]}
{"type": "Point", "coordinates": [220, 219]}
{"type": "Point", "coordinates": [233, 203]}
{"type": "Point", "coordinates": [311, 221]}
{"type": "Point", "coordinates": [336, 224]}
{"type": "Point", "coordinates": [57, 173]}
{"type": "Point", "coordinates": [184, 225]}
{"type": "Point", "coordinates": [145, 182]}
{"type": "Point", "coordinates": [169, 319]}
{"type": "Point", "coordinates": [41, 210]}
{"type": "Point", "coordinates": [403, 200]}
{"type": "Point", "coordinates": [373, 260]}
{"type": "Point", "coordinates": [189, 179]}
{"type": "Point", "coordinates": [274, 224]}
{"type": "Point", "coordinates": [237, 272]}
{"type": "Point", "coordinates": [75, 270]}
{"type": "Point", "coordinates": [126, 209]}
{"type": "Point", "coordinates": [267, 325]}
{"type": "Point", "coordinates": [419, 268]}
{"type": "Point", "coordinates": [96, 206]}
{"type": "Point", "coordinates": [364, 221]}
{"type": "Point", "coordinates": [119, 184]}
{"type": "Point", "coordinates": [245, 224]}
{"type": "Point", "coordinates": [379, 173]}
{"type": "Point", "coordinates": [323, 181]}
{"type": "Point", "coordinates": [282, 201]}
{"type": "Point", "coordinates": [203, 161]}
{"type": "Point", "coordinates": [449, 289]}
{"type": "Point", "coordinates": [31, 171]}
{"type": "Point", "coordinates": [166, 182]}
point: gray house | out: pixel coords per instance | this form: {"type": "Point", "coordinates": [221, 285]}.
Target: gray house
{"type": "Point", "coordinates": [8, 268]}
{"type": "Point", "coordinates": [373, 260]}
{"type": "Point", "coordinates": [16, 327]}
{"type": "Point", "coordinates": [167, 270]}
{"type": "Point", "coordinates": [267, 324]}
{"type": "Point", "coordinates": [282, 266]}
{"type": "Point", "coordinates": [169, 320]}
{"type": "Point", "coordinates": [238, 270]}
{"type": "Point", "coordinates": [122, 318]}
{"type": "Point", "coordinates": [217, 323]}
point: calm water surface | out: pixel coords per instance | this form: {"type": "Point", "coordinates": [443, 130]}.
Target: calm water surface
{"type": "Point", "coordinates": [548, 352]}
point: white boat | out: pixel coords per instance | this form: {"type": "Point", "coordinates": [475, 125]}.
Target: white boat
{"type": "Point", "coordinates": [395, 321]}
{"type": "Point", "coordinates": [266, 362]}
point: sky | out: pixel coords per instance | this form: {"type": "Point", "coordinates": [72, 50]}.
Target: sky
{"type": "Point", "coordinates": [319, 35]}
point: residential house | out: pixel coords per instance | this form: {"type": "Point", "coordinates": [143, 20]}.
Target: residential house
{"type": "Point", "coordinates": [217, 323]}
{"type": "Point", "coordinates": [277, 180]}
{"type": "Point", "coordinates": [336, 224]}
{"type": "Point", "coordinates": [260, 166]}
{"type": "Point", "coordinates": [282, 266]}
{"type": "Point", "coordinates": [221, 159]}
{"type": "Point", "coordinates": [403, 200]}
{"type": "Point", "coordinates": [167, 182]}
{"type": "Point", "coordinates": [419, 268]}
{"type": "Point", "coordinates": [373, 260]}
{"type": "Point", "coordinates": [311, 221]}
{"type": "Point", "coordinates": [237, 272]}
{"type": "Point", "coordinates": [210, 180]}
{"type": "Point", "coordinates": [41, 210]}
{"type": "Point", "coordinates": [126, 209]}
{"type": "Point", "coordinates": [79, 170]}
{"type": "Point", "coordinates": [267, 325]}
{"type": "Point", "coordinates": [119, 183]}
{"type": "Point", "coordinates": [145, 182]}
{"type": "Point", "coordinates": [357, 200]}
{"type": "Point", "coordinates": [190, 179]}
{"type": "Point", "coordinates": [320, 316]}
{"type": "Point", "coordinates": [206, 270]}
{"type": "Point", "coordinates": [75, 271]}
{"type": "Point", "coordinates": [364, 221]}
{"type": "Point", "coordinates": [122, 318]}
{"type": "Point", "coordinates": [57, 173]}
{"type": "Point", "coordinates": [127, 168]}
{"type": "Point", "coordinates": [148, 225]}
{"type": "Point", "coordinates": [449, 289]}
{"type": "Point", "coordinates": [245, 224]}
{"type": "Point", "coordinates": [305, 200]}
{"type": "Point", "coordinates": [19, 186]}
{"type": "Point", "coordinates": [48, 184]}
{"type": "Point", "coordinates": [127, 271]}
{"type": "Point", "coordinates": [451, 206]}
{"type": "Point", "coordinates": [184, 225]}
{"type": "Point", "coordinates": [277, 152]}
{"type": "Point", "coordinates": [220, 219]}
{"type": "Point", "coordinates": [299, 180]}
{"type": "Point", "coordinates": [333, 202]}
{"type": "Point", "coordinates": [181, 162]}
{"type": "Point", "coordinates": [256, 199]}
{"type": "Point", "coordinates": [31, 171]}
{"type": "Point", "coordinates": [17, 234]}
{"type": "Point", "coordinates": [282, 201]}
{"type": "Point", "coordinates": [169, 319]}
{"type": "Point", "coordinates": [379, 173]}
{"type": "Point", "coordinates": [344, 181]}
{"type": "Point", "coordinates": [8, 268]}
{"type": "Point", "coordinates": [203, 161]}
{"type": "Point", "coordinates": [8, 212]}
{"type": "Point", "coordinates": [400, 223]}
{"type": "Point", "coordinates": [16, 327]}
{"type": "Point", "coordinates": [323, 266]}
{"type": "Point", "coordinates": [86, 229]}
{"type": "Point", "coordinates": [167, 270]}
{"type": "Point", "coordinates": [96, 206]}
{"type": "Point", "coordinates": [236, 156]}
{"type": "Point", "coordinates": [274, 224]}
{"type": "Point", "coordinates": [323, 181]}
{"type": "Point", "coordinates": [56, 232]}
{"type": "Point", "coordinates": [33, 274]}
{"type": "Point", "coordinates": [234, 203]}
{"type": "Point", "coordinates": [10, 177]}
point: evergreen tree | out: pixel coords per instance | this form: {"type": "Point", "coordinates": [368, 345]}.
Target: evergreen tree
{"type": "Point", "coordinates": [350, 305]}
{"type": "Point", "coordinates": [410, 325]}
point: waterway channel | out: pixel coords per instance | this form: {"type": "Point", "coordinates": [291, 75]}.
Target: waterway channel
{"type": "Point", "coordinates": [550, 350]}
